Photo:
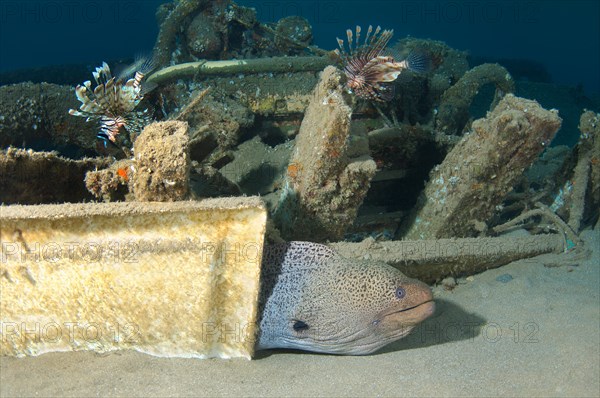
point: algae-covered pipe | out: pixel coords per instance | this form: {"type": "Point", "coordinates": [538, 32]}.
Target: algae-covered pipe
{"type": "Point", "coordinates": [430, 260]}
{"type": "Point", "coordinates": [256, 65]}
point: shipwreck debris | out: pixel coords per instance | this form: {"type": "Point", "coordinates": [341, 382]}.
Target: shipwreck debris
{"type": "Point", "coordinates": [586, 174]}
{"type": "Point", "coordinates": [293, 34]}
{"type": "Point", "coordinates": [171, 25]}
{"type": "Point", "coordinates": [203, 37]}
{"type": "Point", "coordinates": [463, 192]}
{"type": "Point", "coordinates": [35, 116]}
{"type": "Point", "coordinates": [233, 130]}
{"type": "Point", "coordinates": [324, 187]}
{"type": "Point", "coordinates": [162, 163]}
{"type": "Point", "coordinates": [28, 177]}
{"type": "Point", "coordinates": [111, 183]}
{"type": "Point", "coordinates": [142, 276]}
{"type": "Point", "coordinates": [236, 66]}
{"type": "Point", "coordinates": [454, 106]}
{"type": "Point", "coordinates": [431, 260]}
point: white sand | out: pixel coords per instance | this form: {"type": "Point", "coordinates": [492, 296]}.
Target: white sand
{"type": "Point", "coordinates": [556, 351]}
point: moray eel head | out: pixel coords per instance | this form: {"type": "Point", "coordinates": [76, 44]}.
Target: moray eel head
{"type": "Point", "coordinates": [318, 301]}
{"type": "Point", "coordinates": [402, 315]}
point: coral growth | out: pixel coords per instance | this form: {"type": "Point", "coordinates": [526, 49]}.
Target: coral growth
{"type": "Point", "coordinates": [33, 116]}
{"type": "Point", "coordinates": [172, 23]}
{"type": "Point", "coordinates": [430, 260]}
{"type": "Point", "coordinates": [111, 183]}
{"type": "Point", "coordinates": [203, 37]}
{"type": "Point", "coordinates": [29, 177]}
{"type": "Point", "coordinates": [463, 192]}
{"type": "Point", "coordinates": [292, 31]}
{"type": "Point", "coordinates": [324, 187]}
{"type": "Point", "coordinates": [586, 174]}
{"type": "Point", "coordinates": [251, 107]}
{"type": "Point", "coordinates": [201, 29]}
{"type": "Point", "coordinates": [162, 163]}
{"type": "Point", "coordinates": [454, 107]}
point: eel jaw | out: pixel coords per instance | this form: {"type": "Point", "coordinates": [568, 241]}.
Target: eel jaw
{"type": "Point", "coordinates": [405, 319]}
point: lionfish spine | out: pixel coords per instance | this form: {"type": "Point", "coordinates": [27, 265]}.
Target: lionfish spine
{"type": "Point", "coordinates": [369, 31]}
{"type": "Point", "coordinates": [349, 36]}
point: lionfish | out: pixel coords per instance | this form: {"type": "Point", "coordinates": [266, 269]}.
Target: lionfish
{"type": "Point", "coordinates": [369, 71]}
{"type": "Point", "coordinates": [113, 100]}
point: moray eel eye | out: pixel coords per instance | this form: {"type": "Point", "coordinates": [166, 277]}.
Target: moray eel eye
{"type": "Point", "coordinates": [300, 326]}
{"type": "Point", "coordinates": [400, 292]}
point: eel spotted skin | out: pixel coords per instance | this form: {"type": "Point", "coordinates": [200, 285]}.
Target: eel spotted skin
{"type": "Point", "coordinates": [315, 300]}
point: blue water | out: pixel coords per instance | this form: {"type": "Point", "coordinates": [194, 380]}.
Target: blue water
{"type": "Point", "coordinates": [563, 35]}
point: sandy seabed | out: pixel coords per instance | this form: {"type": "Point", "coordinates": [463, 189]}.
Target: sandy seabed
{"type": "Point", "coordinates": [537, 334]}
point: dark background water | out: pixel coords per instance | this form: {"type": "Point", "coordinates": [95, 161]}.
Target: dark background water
{"type": "Point", "coordinates": [563, 35]}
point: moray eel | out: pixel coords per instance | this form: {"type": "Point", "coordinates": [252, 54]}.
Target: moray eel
{"type": "Point", "coordinates": [315, 300]}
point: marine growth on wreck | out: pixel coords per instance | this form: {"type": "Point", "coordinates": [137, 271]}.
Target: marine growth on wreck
{"type": "Point", "coordinates": [372, 144]}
